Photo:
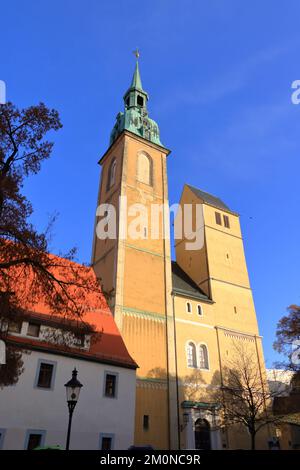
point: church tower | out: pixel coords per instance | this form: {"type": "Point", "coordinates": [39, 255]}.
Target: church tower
{"type": "Point", "coordinates": [135, 271]}
{"type": "Point", "coordinates": [182, 322]}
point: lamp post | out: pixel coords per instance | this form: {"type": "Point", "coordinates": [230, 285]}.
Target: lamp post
{"type": "Point", "coordinates": [73, 390]}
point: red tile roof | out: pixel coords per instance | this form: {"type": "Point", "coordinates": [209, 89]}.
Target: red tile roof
{"type": "Point", "coordinates": [108, 347]}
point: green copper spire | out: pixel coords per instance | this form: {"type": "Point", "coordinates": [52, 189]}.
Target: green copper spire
{"type": "Point", "coordinates": [136, 79]}
{"type": "Point", "coordinates": [135, 117]}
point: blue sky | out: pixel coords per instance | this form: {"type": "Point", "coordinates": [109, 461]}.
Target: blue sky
{"type": "Point", "coordinates": [219, 77]}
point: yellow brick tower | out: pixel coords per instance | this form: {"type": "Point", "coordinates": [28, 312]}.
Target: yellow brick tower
{"type": "Point", "coordinates": [137, 272]}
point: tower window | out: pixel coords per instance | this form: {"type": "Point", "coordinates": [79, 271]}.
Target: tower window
{"type": "Point", "coordinates": [144, 168]}
{"type": "Point", "coordinates": [146, 422]}
{"type": "Point", "coordinates": [226, 221]}
{"type": "Point", "coordinates": [218, 218]}
{"type": "Point", "coordinates": [127, 101]}
{"type": "Point", "coordinates": [111, 177]}
{"type": "Point", "coordinates": [199, 310]}
{"type": "Point", "coordinates": [140, 101]}
{"type": "Point", "coordinates": [188, 307]}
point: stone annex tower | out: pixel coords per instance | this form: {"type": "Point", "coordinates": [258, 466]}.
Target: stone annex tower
{"type": "Point", "coordinates": [180, 319]}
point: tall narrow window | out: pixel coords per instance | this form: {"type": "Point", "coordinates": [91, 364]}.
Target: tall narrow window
{"type": "Point", "coordinates": [226, 221]}
{"type": "Point", "coordinates": [144, 168]}
{"type": "Point", "coordinates": [140, 101]}
{"type": "Point", "coordinates": [203, 357]}
{"type": "Point", "coordinates": [146, 422]}
{"type": "Point", "coordinates": [218, 218]}
{"type": "Point", "coordinates": [199, 310]}
{"type": "Point", "coordinates": [111, 177]}
{"type": "Point", "coordinates": [191, 355]}
{"type": "Point", "coordinates": [188, 307]}
{"type": "Point", "coordinates": [110, 385]}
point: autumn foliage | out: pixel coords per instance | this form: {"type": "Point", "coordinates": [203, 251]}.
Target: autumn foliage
{"type": "Point", "coordinates": [30, 278]}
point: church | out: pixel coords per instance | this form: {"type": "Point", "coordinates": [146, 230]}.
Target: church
{"type": "Point", "coordinates": [179, 319]}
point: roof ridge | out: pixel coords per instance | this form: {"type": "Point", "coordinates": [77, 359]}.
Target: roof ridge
{"type": "Point", "coordinates": [209, 198]}
{"type": "Point", "coordinates": [202, 191]}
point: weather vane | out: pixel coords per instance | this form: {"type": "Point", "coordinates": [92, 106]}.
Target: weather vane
{"type": "Point", "coordinates": [136, 53]}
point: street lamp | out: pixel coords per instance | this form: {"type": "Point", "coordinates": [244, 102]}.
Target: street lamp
{"type": "Point", "coordinates": [73, 390]}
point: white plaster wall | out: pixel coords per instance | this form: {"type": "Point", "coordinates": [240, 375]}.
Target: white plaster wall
{"type": "Point", "coordinates": [24, 407]}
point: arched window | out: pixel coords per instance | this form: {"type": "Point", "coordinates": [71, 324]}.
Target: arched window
{"type": "Point", "coordinates": [189, 307]}
{"type": "Point", "coordinates": [203, 357]}
{"type": "Point", "coordinates": [191, 355]}
{"type": "Point", "coordinates": [111, 177]}
{"type": "Point", "coordinates": [199, 310]}
{"type": "Point", "coordinates": [144, 168]}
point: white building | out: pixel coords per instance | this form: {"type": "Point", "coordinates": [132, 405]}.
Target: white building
{"type": "Point", "coordinates": [34, 412]}
{"type": "Point", "coordinates": [279, 381]}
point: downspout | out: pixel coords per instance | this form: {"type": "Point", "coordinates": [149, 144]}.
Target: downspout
{"type": "Point", "coordinates": [222, 383]}
{"type": "Point", "coordinates": [177, 383]}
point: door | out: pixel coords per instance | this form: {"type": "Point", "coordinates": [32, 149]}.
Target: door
{"type": "Point", "coordinates": [202, 434]}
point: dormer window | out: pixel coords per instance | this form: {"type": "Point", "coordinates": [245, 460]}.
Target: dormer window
{"type": "Point", "coordinates": [15, 327]}
{"type": "Point", "coordinates": [33, 329]}
{"type": "Point", "coordinates": [140, 101]}
{"type": "Point", "coordinates": [79, 340]}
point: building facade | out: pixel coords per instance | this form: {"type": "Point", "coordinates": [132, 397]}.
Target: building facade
{"type": "Point", "coordinates": [34, 411]}
{"type": "Point", "coordinates": [179, 319]}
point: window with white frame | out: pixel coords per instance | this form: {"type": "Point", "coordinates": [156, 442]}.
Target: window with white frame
{"type": "Point", "coordinates": [191, 355]}
{"type": "Point", "coordinates": [45, 374]}
{"type": "Point", "coordinates": [189, 307]}
{"type": "Point", "coordinates": [34, 438]}
{"type": "Point", "coordinates": [203, 357]}
{"type": "Point", "coordinates": [199, 310]}
{"type": "Point", "coordinates": [110, 384]}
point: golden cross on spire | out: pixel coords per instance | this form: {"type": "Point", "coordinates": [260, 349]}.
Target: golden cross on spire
{"type": "Point", "coordinates": [136, 53]}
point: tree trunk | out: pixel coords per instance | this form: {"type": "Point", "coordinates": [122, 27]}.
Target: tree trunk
{"type": "Point", "coordinates": [253, 441]}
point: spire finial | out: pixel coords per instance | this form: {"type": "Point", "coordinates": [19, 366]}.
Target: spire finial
{"type": "Point", "coordinates": [136, 53]}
